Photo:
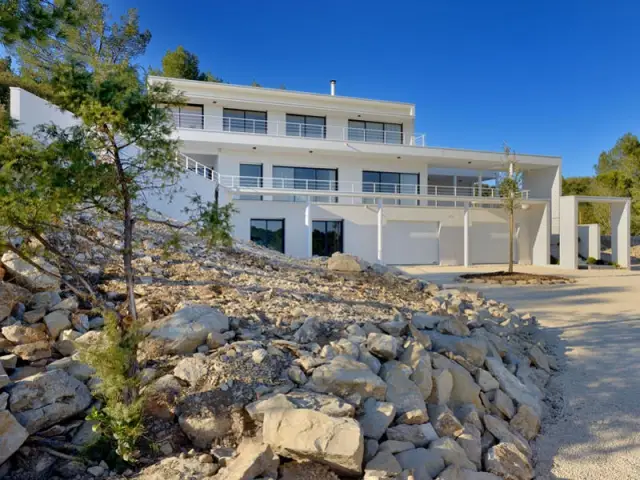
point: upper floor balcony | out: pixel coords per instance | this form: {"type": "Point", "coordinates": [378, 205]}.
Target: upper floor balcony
{"type": "Point", "coordinates": [314, 128]}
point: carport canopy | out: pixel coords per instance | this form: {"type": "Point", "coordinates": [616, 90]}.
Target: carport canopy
{"type": "Point", "coordinates": [620, 229]}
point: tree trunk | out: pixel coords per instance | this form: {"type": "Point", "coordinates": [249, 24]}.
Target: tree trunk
{"type": "Point", "coordinates": [127, 257]}
{"type": "Point", "coordinates": [511, 229]}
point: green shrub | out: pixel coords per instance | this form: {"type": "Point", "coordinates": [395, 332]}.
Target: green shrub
{"type": "Point", "coordinates": [114, 359]}
{"type": "Point", "coordinates": [592, 261]}
{"type": "Point", "coordinates": [214, 224]}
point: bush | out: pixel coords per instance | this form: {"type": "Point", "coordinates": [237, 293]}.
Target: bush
{"type": "Point", "coordinates": [214, 224]}
{"type": "Point", "coordinates": [114, 359]}
{"type": "Point", "coordinates": [592, 261]}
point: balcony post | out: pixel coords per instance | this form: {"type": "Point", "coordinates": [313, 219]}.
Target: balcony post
{"type": "Point", "coordinates": [380, 261]}
{"type": "Point", "coordinates": [309, 224]}
{"type": "Point", "coordinates": [467, 262]}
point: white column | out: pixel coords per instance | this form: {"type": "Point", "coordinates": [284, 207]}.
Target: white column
{"type": "Point", "coordinates": [620, 233]}
{"type": "Point", "coordinates": [223, 196]}
{"type": "Point", "coordinates": [309, 224]}
{"type": "Point", "coordinates": [380, 261]}
{"type": "Point", "coordinates": [467, 256]}
{"type": "Point", "coordinates": [480, 185]}
{"type": "Point", "coordinates": [540, 229]}
{"type": "Point", "coordinates": [455, 189]}
{"type": "Point", "coordinates": [569, 233]}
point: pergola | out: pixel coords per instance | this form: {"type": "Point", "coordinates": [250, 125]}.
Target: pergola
{"type": "Point", "coordinates": [620, 229]}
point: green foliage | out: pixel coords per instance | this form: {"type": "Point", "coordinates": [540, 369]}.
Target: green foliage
{"type": "Point", "coordinates": [214, 222]}
{"type": "Point", "coordinates": [113, 358]}
{"type": "Point", "coordinates": [592, 260]}
{"type": "Point", "coordinates": [181, 63]}
{"type": "Point", "coordinates": [34, 20]}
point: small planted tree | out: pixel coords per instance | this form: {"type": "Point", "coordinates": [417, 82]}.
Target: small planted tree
{"type": "Point", "coordinates": [510, 190]}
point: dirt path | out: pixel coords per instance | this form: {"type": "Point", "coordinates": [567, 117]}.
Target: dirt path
{"type": "Point", "coordinates": [594, 327]}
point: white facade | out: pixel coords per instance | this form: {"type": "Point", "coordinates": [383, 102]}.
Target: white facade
{"type": "Point", "coordinates": [354, 161]}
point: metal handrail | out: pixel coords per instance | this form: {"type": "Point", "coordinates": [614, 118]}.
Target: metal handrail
{"type": "Point", "coordinates": [213, 123]}
{"type": "Point", "coordinates": [291, 185]}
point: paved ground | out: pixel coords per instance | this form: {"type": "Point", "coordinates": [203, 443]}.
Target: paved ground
{"type": "Point", "coordinates": [594, 327]}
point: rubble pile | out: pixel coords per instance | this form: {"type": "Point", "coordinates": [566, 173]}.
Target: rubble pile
{"type": "Point", "coordinates": [257, 365]}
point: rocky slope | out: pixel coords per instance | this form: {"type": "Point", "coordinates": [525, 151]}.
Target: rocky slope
{"type": "Point", "coordinates": [257, 365]}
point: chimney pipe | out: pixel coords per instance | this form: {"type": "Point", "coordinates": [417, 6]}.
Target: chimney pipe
{"type": "Point", "coordinates": [333, 88]}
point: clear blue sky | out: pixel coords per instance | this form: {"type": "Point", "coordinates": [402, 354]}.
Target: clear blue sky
{"type": "Point", "coordinates": [557, 77]}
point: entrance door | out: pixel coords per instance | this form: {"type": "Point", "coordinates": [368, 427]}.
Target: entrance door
{"type": "Point", "coordinates": [411, 243]}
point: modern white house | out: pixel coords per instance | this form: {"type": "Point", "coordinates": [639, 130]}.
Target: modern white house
{"type": "Point", "coordinates": [312, 174]}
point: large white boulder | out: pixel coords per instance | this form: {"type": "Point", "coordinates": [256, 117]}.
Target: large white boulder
{"type": "Point", "coordinates": [32, 277]}
{"type": "Point", "coordinates": [342, 262]}
{"type": "Point", "coordinates": [186, 329]}
{"type": "Point", "coordinates": [309, 435]}
{"type": "Point", "coordinates": [12, 435]}
{"type": "Point", "coordinates": [47, 398]}
{"type": "Point", "coordinates": [345, 376]}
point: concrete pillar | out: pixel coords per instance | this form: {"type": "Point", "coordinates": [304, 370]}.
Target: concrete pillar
{"type": "Point", "coordinates": [309, 224]}
{"type": "Point", "coordinates": [620, 233]}
{"type": "Point", "coordinates": [541, 246]}
{"type": "Point", "coordinates": [455, 189]}
{"type": "Point", "coordinates": [380, 258]}
{"type": "Point", "coordinates": [569, 233]}
{"type": "Point", "coordinates": [479, 185]}
{"type": "Point", "coordinates": [467, 253]}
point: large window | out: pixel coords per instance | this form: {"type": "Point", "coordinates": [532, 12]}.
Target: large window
{"type": "Point", "coordinates": [327, 237]}
{"type": "Point", "coordinates": [306, 126]}
{"type": "Point", "coordinates": [268, 233]}
{"type": "Point", "coordinates": [302, 178]}
{"type": "Point", "coordinates": [247, 121]}
{"type": "Point", "coordinates": [391, 182]}
{"type": "Point", "coordinates": [375, 132]}
{"type": "Point", "coordinates": [250, 176]}
{"type": "Point", "coordinates": [189, 116]}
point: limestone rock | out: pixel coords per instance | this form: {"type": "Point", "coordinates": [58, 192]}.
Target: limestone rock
{"type": "Point", "coordinates": [396, 446]}
{"type": "Point", "coordinates": [254, 459]}
{"type": "Point", "coordinates": [403, 393]}
{"type": "Point", "coordinates": [342, 262]}
{"type": "Point", "coordinates": [382, 345]}
{"type": "Point", "coordinates": [470, 440]}
{"type": "Point", "coordinates": [442, 382]}
{"type": "Point", "coordinates": [422, 461]}
{"type": "Point", "coordinates": [526, 422]}
{"type": "Point", "coordinates": [512, 386]}
{"type": "Point", "coordinates": [502, 403]}
{"type": "Point", "coordinates": [486, 380]}
{"type": "Point", "coordinates": [44, 300]}
{"type": "Point", "coordinates": [500, 429]}
{"type": "Point", "coordinates": [506, 461]}
{"type": "Point", "coordinates": [452, 453]}
{"type": "Point", "coordinates": [191, 369]}
{"type": "Point", "coordinates": [376, 417]}
{"type": "Point", "coordinates": [454, 472]}
{"type": "Point", "coordinates": [65, 344]}
{"type": "Point", "coordinates": [206, 416]}
{"type": "Point", "coordinates": [327, 404]}
{"type": "Point", "coordinates": [453, 326]}
{"type": "Point", "coordinates": [47, 398]}
{"type": "Point", "coordinates": [310, 435]}
{"type": "Point", "coordinates": [178, 468]}
{"type": "Point", "coordinates": [539, 359]}
{"type": "Point", "coordinates": [33, 351]}
{"type": "Point", "coordinates": [419, 435]}
{"type": "Point", "coordinates": [422, 376]}
{"type": "Point", "coordinates": [12, 435]}
{"type": "Point", "coordinates": [31, 277]}
{"type": "Point", "coordinates": [308, 332]}
{"type": "Point", "coordinates": [18, 334]}
{"type": "Point", "coordinates": [345, 376]}
{"type": "Point", "coordinates": [444, 421]}
{"type": "Point", "coordinates": [383, 466]}
{"type": "Point", "coordinates": [424, 320]}
{"type": "Point", "coordinates": [465, 389]}
{"type": "Point", "coordinates": [187, 328]}
{"type": "Point", "coordinates": [10, 295]}
{"type": "Point", "coordinates": [257, 409]}
{"type": "Point", "coordinates": [371, 361]}
{"type": "Point", "coordinates": [56, 322]}
{"type": "Point", "coordinates": [161, 397]}
{"type": "Point", "coordinates": [396, 327]}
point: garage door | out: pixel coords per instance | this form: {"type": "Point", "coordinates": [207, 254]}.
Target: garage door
{"type": "Point", "coordinates": [490, 243]}
{"type": "Point", "coordinates": [410, 243]}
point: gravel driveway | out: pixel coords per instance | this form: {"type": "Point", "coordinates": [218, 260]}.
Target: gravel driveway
{"type": "Point", "coordinates": [593, 428]}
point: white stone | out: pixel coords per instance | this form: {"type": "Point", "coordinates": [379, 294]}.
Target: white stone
{"type": "Point", "coordinates": [56, 322]}
{"type": "Point", "coordinates": [29, 275]}
{"type": "Point", "coordinates": [12, 435]}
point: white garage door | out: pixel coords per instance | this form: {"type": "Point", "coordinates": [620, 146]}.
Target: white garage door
{"type": "Point", "coordinates": [410, 243]}
{"type": "Point", "coordinates": [490, 243]}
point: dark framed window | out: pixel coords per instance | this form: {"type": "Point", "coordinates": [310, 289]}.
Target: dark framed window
{"type": "Point", "coordinates": [327, 237]}
{"type": "Point", "coordinates": [189, 116]}
{"type": "Point", "coordinates": [306, 126]}
{"type": "Point", "coordinates": [375, 132]}
{"type": "Point", "coordinates": [304, 178]}
{"type": "Point", "coordinates": [248, 121]}
{"type": "Point", "coordinates": [391, 182]}
{"type": "Point", "coordinates": [268, 233]}
{"type": "Point", "coordinates": [250, 176]}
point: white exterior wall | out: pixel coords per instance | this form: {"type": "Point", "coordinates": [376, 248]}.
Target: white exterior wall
{"type": "Point", "coordinates": [30, 111]}
{"type": "Point", "coordinates": [589, 240]}
{"type": "Point", "coordinates": [360, 229]}
{"type": "Point", "coordinates": [546, 183]}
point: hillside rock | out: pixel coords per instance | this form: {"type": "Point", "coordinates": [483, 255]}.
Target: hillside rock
{"type": "Point", "coordinates": [342, 262]}
{"type": "Point", "coordinates": [309, 435]}
{"type": "Point", "coordinates": [344, 376]}
{"type": "Point", "coordinates": [12, 435]}
{"type": "Point", "coordinates": [47, 398]}
{"type": "Point", "coordinates": [31, 277]}
{"type": "Point", "coordinates": [10, 295]}
{"type": "Point", "coordinates": [505, 460]}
